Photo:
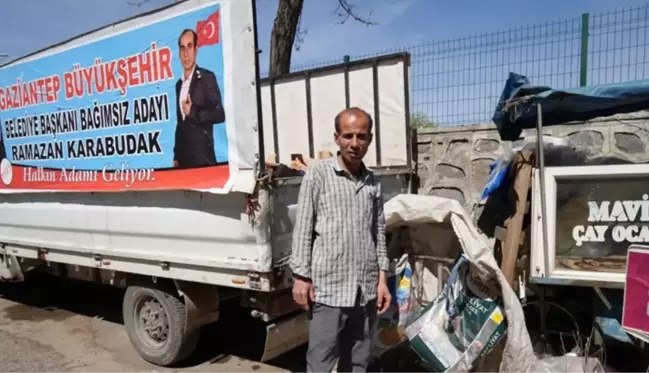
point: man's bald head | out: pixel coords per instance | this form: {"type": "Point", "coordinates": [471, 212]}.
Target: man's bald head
{"type": "Point", "coordinates": [353, 113]}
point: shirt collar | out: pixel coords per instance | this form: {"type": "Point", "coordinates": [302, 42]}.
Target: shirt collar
{"type": "Point", "coordinates": [364, 174]}
{"type": "Point", "coordinates": [190, 75]}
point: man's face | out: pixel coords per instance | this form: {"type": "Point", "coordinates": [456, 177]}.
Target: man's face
{"type": "Point", "coordinates": [187, 51]}
{"type": "Point", "coordinates": [354, 137]}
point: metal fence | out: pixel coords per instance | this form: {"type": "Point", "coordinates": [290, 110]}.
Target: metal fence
{"type": "Point", "coordinates": [459, 81]}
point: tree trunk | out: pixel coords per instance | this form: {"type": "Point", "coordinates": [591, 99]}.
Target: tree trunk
{"type": "Point", "coordinates": [283, 36]}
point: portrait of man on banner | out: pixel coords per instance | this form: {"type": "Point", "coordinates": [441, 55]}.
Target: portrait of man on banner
{"type": "Point", "coordinates": [199, 100]}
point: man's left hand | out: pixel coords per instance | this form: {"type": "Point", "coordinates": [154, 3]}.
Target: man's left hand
{"type": "Point", "coordinates": [384, 298]}
{"type": "Point", "coordinates": [187, 105]}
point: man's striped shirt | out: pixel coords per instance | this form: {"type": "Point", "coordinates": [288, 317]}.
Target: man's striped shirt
{"type": "Point", "coordinates": [339, 234]}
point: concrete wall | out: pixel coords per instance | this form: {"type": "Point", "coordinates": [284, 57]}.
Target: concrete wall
{"type": "Point", "coordinates": [454, 161]}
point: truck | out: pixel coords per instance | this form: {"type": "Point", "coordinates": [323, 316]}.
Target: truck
{"type": "Point", "coordinates": [92, 187]}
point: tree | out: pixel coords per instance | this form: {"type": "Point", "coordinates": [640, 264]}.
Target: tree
{"type": "Point", "coordinates": [282, 37]}
{"type": "Point", "coordinates": [421, 120]}
{"type": "Point", "coordinates": [287, 34]}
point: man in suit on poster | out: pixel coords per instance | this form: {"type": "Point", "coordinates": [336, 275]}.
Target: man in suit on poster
{"type": "Point", "coordinates": [199, 108]}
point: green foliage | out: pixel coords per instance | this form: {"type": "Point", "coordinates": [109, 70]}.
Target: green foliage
{"type": "Point", "coordinates": [421, 120]}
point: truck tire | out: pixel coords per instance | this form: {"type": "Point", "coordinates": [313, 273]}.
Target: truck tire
{"type": "Point", "coordinates": [155, 322]}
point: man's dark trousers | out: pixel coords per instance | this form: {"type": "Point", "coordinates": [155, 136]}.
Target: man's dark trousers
{"type": "Point", "coordinates": [342, 334]}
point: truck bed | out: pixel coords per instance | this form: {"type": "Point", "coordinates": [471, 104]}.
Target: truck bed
{"type": "Point", "coordinates": [179, 234]}
{"type": "Point", "coordinates": [185, 235]}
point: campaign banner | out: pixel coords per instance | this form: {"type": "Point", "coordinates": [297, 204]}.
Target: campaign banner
{"type": "Point", "coordinates": [635, 312]}
{"type": "Point", "coordinates": [142, 109]}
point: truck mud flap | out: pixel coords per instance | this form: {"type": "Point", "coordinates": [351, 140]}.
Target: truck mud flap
{"type": "Point", "coordinates": [285, 334]}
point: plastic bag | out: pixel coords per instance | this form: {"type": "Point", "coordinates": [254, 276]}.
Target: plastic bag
{"type": "Point", "coordinates": [460, 326]}
{"type": "Point", "coordinates": [497, 175]}
{"type": "Point", "coordinates": [391, 324]}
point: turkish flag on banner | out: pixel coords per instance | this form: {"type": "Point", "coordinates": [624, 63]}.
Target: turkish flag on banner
{"type": "Point", "coordinates": [208, 30]}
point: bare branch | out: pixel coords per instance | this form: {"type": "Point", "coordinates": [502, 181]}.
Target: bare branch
{"type": "Point", "coordinates": [299, 35]}
{"type": "Point", "coordinates": [345, 11]}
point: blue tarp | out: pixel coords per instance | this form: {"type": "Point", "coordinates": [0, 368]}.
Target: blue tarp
{"type": "Point", "coordinates": [516, 110]}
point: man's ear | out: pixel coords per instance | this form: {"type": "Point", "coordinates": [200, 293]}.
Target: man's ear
{"type": "Point", "coordinates": [336, 138]}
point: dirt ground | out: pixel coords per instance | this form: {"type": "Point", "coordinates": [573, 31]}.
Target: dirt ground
{"type": "Point", "coordinates": [47, 324]}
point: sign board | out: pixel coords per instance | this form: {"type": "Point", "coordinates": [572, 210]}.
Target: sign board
{"type": "Point", "coordinates": [635, 312]}
{"type": "Point", "coordinates": [162, 101]}
{"type": "Point", "coordinates": [594, 214]}
{"type": "Point", "coordinates": [597, 220]}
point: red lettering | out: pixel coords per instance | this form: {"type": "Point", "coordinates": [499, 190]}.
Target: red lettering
{"type": "Point", "coordinates": [56, 85]}
{"type": "Point", "coordinates": [133, 76]}
{"type": "Point", "coordinates": [40, 83]}
{"type": "Point", "coordinates": [77, 76]}
{"type": "Point", "coordinates": [154, 60]}
{"type": "Point", "coordinates": [14, 96]}
{"type": "Point", "coordinates": [48, 89]}
{"type": "Point", "coordinates": [87, 78]}
{"type": "Point", "coordinates": [100, 76]}
{"type": "Point", "coordinates": [111, 79]}
{"type": "Point", "coordinates": [165, 63]}
{"type": "Point", "coordinates": [33, 90]}
{"type": "Point", "coordinates": [119, 74]}
{"type": "Point", "coordinates": [3, 100]}
{"type": "Point", "coordinates": [123, 75]}
{"type": "Point", "coordinates": [144, 60]}
{"type": "Point", "coordinates": [25, 95]}
{"type": "Point", "coordinates": [69, 90]}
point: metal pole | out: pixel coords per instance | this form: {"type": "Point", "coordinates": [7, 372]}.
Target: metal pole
{"type": "Point", "coordinates": [583, 62]}
{"type": "Point", "coordinates": [260, 122]}
{"type": "Point", "coordinates": [540, 163]}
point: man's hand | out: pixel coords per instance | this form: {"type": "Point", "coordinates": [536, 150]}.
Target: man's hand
{"type": "Point", "coordinates": [187, 105]}
{"type": "Point", "coordinates": [175, 164]}
{"type": "Point", "coordinates": [302, 292]}
{"type": "Point", "coordinates": [384, 298]}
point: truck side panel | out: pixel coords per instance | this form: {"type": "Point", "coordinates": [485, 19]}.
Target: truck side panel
{"type": "Point", "coordinates": [189, 228]}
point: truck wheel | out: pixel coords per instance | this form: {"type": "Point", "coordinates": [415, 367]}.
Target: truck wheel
{"type": "Point", "coordinates": [156, 323]}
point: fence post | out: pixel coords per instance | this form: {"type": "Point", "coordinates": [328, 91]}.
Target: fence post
{"type": "Point", "coordinates": [346, 58]}
{"type": "Point", "coordinates": [583, 64]}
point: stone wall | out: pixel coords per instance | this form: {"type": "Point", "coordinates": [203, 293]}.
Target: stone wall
{"type": "Point", "coordinates": [454, 162]}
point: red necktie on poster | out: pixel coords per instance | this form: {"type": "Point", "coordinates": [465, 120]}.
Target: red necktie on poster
{"type": "Point", "coordinates": [208, 30]}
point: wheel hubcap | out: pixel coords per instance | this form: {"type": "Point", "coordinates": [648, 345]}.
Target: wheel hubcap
{"type": "Point", "coordinates": [152, 322]}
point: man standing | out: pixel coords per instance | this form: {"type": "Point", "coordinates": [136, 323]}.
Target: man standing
{"type": "Point", "coordinates": [339, 258]}
{"type": "Point", "coordinates": [199, 107]}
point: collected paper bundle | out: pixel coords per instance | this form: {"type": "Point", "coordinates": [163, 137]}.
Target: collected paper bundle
{"type": "Point", "coordinates": [460, 326]}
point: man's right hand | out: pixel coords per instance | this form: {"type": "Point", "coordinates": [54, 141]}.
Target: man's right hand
{"type": "Point", "coordinates": [302, 292]}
